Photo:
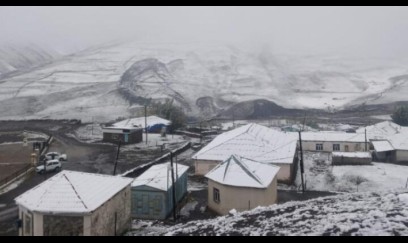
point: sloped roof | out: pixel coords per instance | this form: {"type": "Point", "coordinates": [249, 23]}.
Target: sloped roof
{"type": "Point", "coordinates": [400, 140]}
{"type": "Point", "coordinates": [333, 137]}
{"type": "Point", "coordinates": [380, 130]}
{"type": "Point", "coordinates": [140, 122]}
{"type": "Point", "coordinates": [243, 172]}
{"type": "Point", "coordinates": [382, 146]}
{"type": "Point", "coordinates": [159, 176]}
{"type": "Point", "coordinates": [72, 192]}
{"type": "Point", "coordinates": [252, 141]}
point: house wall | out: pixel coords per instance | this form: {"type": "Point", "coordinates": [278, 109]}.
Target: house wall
{"type": "Point", "coordinates": [328, 146]}
{"type": "Point", "coordinates": [240, 198]}
{"type": "Point", "coordinates": [202, 167]}
{"type": "Point", "coordinates": [150, 203]}
{"type": "Point", "coordinates": [36, 224]}
{"type": "Point", "coordinates": [60, 225]}
{"type": "Point", "coordinates": [402, 156]}
{"type": "Point", "coordinates": [103, 218]}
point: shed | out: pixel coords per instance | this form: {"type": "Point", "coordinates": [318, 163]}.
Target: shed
{"type": "Point", "coordinates": [351, 158]}
{"type": "Point", "coordinates": [76, 203]}
{"type": "Point", "coordinates": [152, 196]}
{"type": "Point", "coordinates": [126, 135]}
{"type": "Point", "coordinates": [241, 184]}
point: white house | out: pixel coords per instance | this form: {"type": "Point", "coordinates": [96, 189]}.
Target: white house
{"type": "Point", "coordinates": [254, 142]}
{"type": "Point", "coordinates": [394, 149]}
{"type": "Point", "coordinates": [241, 184]}
{"type": "Point", "coordinates": [333, 142]}
{"type": "Point", "coordinates": [380, 130]}
{"type": "Point", "coordinates": [76, 203]}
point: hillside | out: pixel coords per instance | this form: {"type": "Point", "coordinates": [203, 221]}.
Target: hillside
{"type": "Point", "coordinates": [347, 214]}
{"type": "Point", "coordinates": [109, 81]}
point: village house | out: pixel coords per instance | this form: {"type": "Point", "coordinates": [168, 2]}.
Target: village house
{"type": "Point", "coordinates": [255, 142]}
{"type": "Point", "coordinates": [241, 184]}
{"type": "Point", "coordinates": [152, 196]}
{"type": "Point", "coordinates": [76, 204]}
{"type": "Point", "coordinates": [333, 142]}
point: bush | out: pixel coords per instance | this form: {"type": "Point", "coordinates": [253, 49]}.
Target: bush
{"type": "Point", "coordinates": [400, 116]}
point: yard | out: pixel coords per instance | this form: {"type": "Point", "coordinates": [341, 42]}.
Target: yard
{"type": "Point", "coordinates": [320, 175]}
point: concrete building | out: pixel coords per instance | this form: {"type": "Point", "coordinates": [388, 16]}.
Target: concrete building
{"type": "Point", "coordinates": [351, 158]}
{"type": "Point", "coordinates": [76, 204]}
{"type": "Point", "coordinates": [241, 184]}
{"type": "Point", "coordinates": [255, 142]}
{"type": "Point", "coordinates": [333, 142]}
{"type": "Point", "coordinates": [152, 196]}
{"type": "Point", "coordinates": [126, 135]}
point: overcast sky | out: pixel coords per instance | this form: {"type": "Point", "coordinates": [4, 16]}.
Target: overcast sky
{"type": "Point", "coordinates": [372, 31]}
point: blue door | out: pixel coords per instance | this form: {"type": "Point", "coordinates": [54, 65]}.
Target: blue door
{"type": "Point", "coordinates": [126, 138]}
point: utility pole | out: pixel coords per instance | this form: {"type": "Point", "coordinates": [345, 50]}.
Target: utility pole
{"type": "Point", "coordinates": [117, 157]}
{"type": "Point", "coordinates": [302, 171]}
{"type": "Point", "coordinates": [173, 186]}
{"type": "Point", "coordinates": [146, 121]}
{"type": "Point", "coordinates": [365, 132]}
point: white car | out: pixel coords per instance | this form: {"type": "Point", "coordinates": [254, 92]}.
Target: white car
{"type": "Point", "coordinates": [51, 165]}
{"type": "Point", "coordinates": [56, 156]}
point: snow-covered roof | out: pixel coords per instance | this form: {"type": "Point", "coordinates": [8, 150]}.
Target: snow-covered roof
{"type": "Point", "coordinates": [243, 172]}
{"type": "Point", "coordinates": [140, 122]}
{"type": "Point", "coordinates": [159, 176]}
{"type": "Point", "coordinates": [252, 141]}
{"type": "Point", "coordinates": [382, 146]}
{"type": "Point", "coordinates": [72, 192]}
{"type": "Point", "coordinates": [399, 141]}
{"type": "Point", "coordinates": [352, 154]}
{"type": "Point", "coordinates": [333, 137]}
{"type": "Point", "coordinates": [380, 130]}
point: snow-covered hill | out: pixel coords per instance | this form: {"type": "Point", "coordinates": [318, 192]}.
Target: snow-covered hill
{"type": "Point", "coordinates": [22, 57]}
{"type": "Point", "coordinates": [109, 81]}
{"type": "Point", "coordinates": [348, 214]}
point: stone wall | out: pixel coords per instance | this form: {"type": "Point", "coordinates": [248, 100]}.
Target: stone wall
{"type": "Point", "coordinates": [55, 225]}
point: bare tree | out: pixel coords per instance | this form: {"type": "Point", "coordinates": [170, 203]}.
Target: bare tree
{"type": "Point", "coordinates": [356, 179]}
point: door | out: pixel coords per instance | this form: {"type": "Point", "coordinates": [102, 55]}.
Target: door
{"type": "Point", "coordinates": [346, 148]}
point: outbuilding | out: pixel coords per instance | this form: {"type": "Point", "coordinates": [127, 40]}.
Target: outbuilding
{"type": "Point", "coordinates": [152, 196]}
{"type": "Point", "coordinates": [241, 184]}
{"type": "Point", "coordinates": [76, 204]}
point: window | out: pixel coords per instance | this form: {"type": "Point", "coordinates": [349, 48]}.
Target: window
{"type": "Point", "coordinates": [27, 224]}
{"type": "Point", "coordinates": [216, 195]}
{"type": "Point", "coordinates": [319, 146]}
{"type": "Point", "coordinates": [336, 147]}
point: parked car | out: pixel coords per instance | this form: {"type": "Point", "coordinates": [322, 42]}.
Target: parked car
{"type": "Point", "coordinates": [56, 156]}
{"type": "Point", "coordinates": [51, 165]}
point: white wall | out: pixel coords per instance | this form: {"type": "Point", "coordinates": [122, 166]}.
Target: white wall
{"type": "Point", "coordinates": [240, 198]}
{"type": "Point", "coordinates": [328, 146]}
{"type": "Point", "coordinates": [402, 155]}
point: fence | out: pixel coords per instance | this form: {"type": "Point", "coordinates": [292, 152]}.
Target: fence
{"type": "Point", "coordinates": [15, 175]}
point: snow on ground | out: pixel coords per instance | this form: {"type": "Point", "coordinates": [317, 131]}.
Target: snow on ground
{"type": "Point", "coordinates": [321, 176]}
{"type": "Point", "coordinates": [348, 214]}
{"type": "Point", "coordinates": [190, 206]}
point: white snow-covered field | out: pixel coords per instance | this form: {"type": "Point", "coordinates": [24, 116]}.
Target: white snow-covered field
{"type": "Point", "coordinates": [369, 214]}
{"type": "Point", "coordinates": [321, 176]}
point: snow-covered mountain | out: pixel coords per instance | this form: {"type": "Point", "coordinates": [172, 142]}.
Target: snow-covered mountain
{"type": "Point", "coordinates": [367, 214]}
{"type": "Point", "coordinates": [22, 57]}
{"type": "Point", "coordinates": [111, 81]}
